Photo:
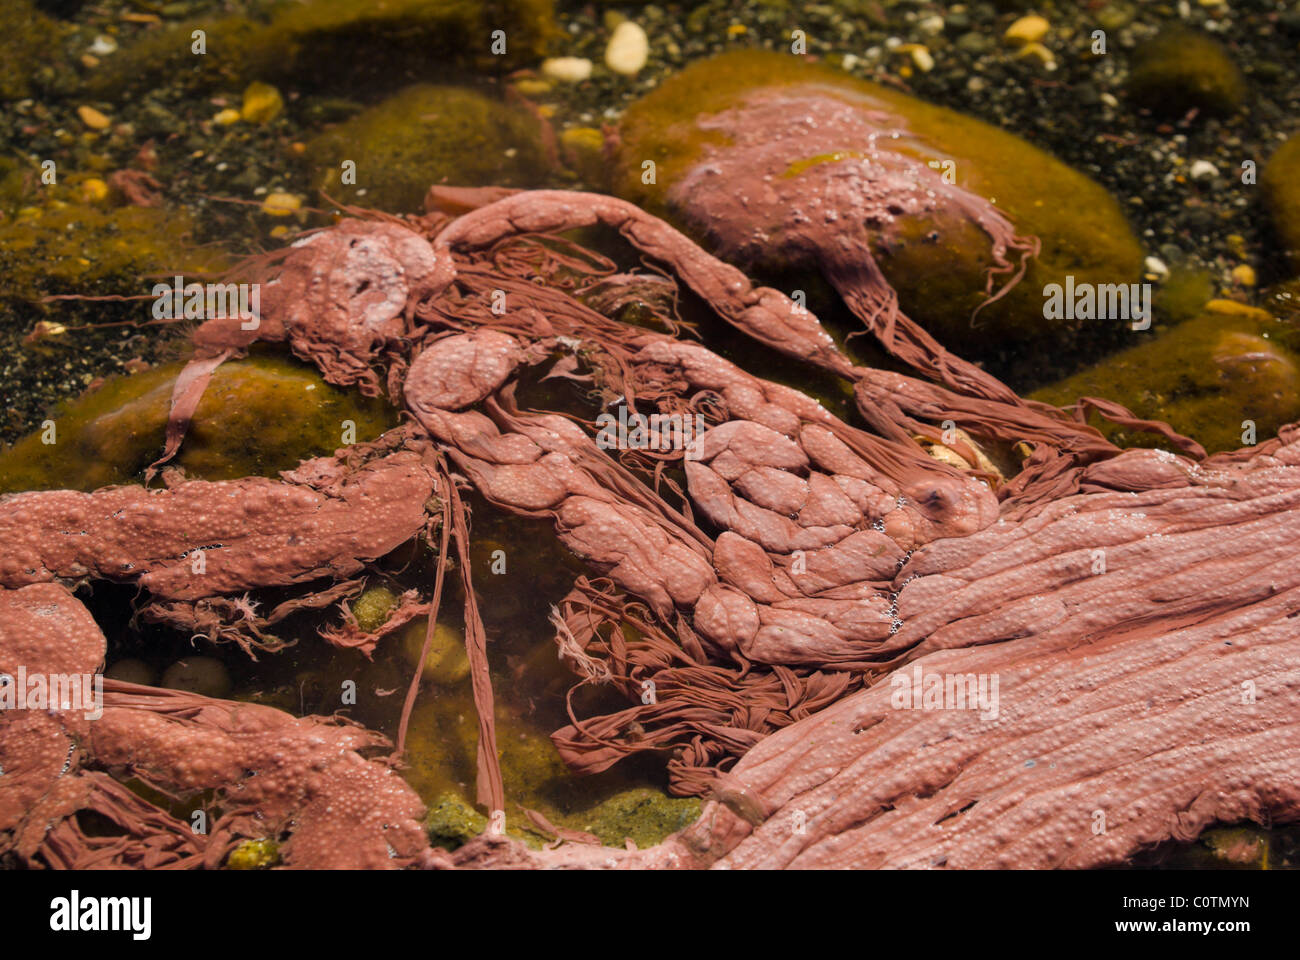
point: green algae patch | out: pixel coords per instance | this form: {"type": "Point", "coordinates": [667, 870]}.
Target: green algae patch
{"type": "Point", "coordinates": [373, 607]}
{"type": "Point", "coordinates": [339, 45]}
{"type": "Point", "coordinates": [641, 814]}
{"type": "Point", "coordinates": [425, 135]}
{"type": "Point", "coordinates": [63, 244]}
{"type": "Point", "coordinates": [940, 279]}
{"type": "Point", "coordinates": [1206, 377]}
{"type": "Point", "coordinates": [441, 756]}
{"type": "Point", "coordinates": [451, 823]}
{"type": "Point", "coordinates": [1183, 294]}
{"type": "Point", "coordinates": [1281, 182]}
{"type": "Point", "coordinates": [258, 416]}
{"type": "Point", "coordinates": [28, 39]}
{"type": "Point", "coordinates": [254, 855]}
{"type": "Point", "coordinates": [1180, 69]}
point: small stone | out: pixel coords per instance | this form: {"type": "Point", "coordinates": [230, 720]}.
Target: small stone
{"type": "Point", "coordinates": [628, 49]}
{"type": "Point", "coordinates": [921, 56]}
{"type": "Point", "coordinates": [531, 87]}
{"type": "Point", "coordinates": [1203, 170]}
{"type": "Point", "coordinates": [567, 69]}
{"type": "Point", "coordinates": [932, 24]}
{"type": "Point", "coordinates": [103, 46]}
{"type": "Point", "coordinates": [279, 204]}
{"type": "Point", "coordinates": [93, 118]}
{"type": "Point", "coordinates": [94, 190]}
{"type": "Point", "coordinates": [1036, 51]}
{"type": "Point", "coordinates": [1156, 267]}
{"type": "Point", "coordinates": [1028, 29]}
{"type": "Point", "coordinates": [974, 42]}
{"type": "Point", "coordinates": [262, 103]}
{"type": "Point", "coordinates": [226, 117]}
{"type": "Point", "coordinates": [1244, 275]}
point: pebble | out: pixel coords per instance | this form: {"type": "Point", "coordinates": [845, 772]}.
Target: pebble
{"type": "Point", "coordinates": [1203, 170]}
{"type": "Point", "coordinates": [1156, 266]}
{"type": "Point", "coordinates": [94, 190]}
{"type": "Point", "coordinates": [920, 55]}
{"type": "Point", "coordinates": [567, 69]}
{"type": "Point", "coordinates": [103, 46]}
{"type": "Point", "coordinates": [226, 117]}
{"type": "Point", "coordinates": [1036, 51]}
{"type": "Point", "coordinates": [281, 204]}
{"type": "Point", "coordinates": [93, 118]}
{"type": "Point", "coordinates": [1244, 275]}
{"type": "Point", "coordinates": [628, 49]}
{"type": "Point", "coordinates": [262, 103]}
{"type": "Point", "coordinates": [1028, 29]}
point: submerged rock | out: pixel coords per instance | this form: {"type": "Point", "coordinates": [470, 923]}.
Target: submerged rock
{"type": "Point", "coordinates": [778, 164]}
{"type": "Point", "coordinates": [426, 135]}
{"type": "Point", "coordinates": [27, 38]}
{"type": "Point", "coordinates": [336, 45]}
{"type": "Point", "coordinates": [1179, 69]}
{"type": "Point", "coordinates": [202, 675]}
{"type": "Point", "coordinates": [1205, 377]}
{"type": "Point", "coordinates": [259, 416]}
{"type": "Point", "coordinates": [1281, 183]}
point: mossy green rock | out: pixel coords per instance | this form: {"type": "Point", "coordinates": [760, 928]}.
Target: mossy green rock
{"type": "Point", "coordinates": [257, 417]}
{"type": "Point", "coordinates": [940, 284]}
{"type": "Point", "coordinates": [1180, 69]}
{"type": "Point", "coordinates": [1281, 183]}
{"type": "Point", "coordinates": [644, 814]}
{"type": "Point", "coordinates": [28, 39]}
{"type": "Point", "coordinates": [425, 135]}
{"type": "Point", "coordinates": [451, 822]}
{"type": "Point", "coordinates": [340, 45]}
{"type": "Point", "coordinates": [1205, 377]}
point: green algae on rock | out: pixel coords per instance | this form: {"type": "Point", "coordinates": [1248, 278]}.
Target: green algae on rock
{"type": "Point", "coordinates": [61, 244]}
{"type": "Point", "coordinates": [259, 416]}
{"type": "Point", "coordinates": [427, 135]}
{"type": "Point", "coordinates": [373, 607]}
{"type": "Point", "coordinates": [1180, 69]}
{"type": "Point", "coordinates": [937, 264]}
{"type": "Point", "coordinates": [1281, 182]}
{"type": "Point", "coordinates": [254, 855]}
{"type": "Point", "coordinates": [641, 814]}
{"type": "Point", "coordinates": [336, 45]}
{"type": "Point", "coordinates": [1205, 377]}
{"type": "Point", "coordinates": [27, 38]}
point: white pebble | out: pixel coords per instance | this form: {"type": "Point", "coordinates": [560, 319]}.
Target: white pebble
{"type": "Point", "coordinates": [1203, 170]}
{"type": "Point", "coordinates": [103, 46]}
{"type": "Point", "coordinates": [1157, 266]}
{"type": "Point", "coordinates": [567, 69]}
{"type": "Point", "coordinates": [628, 49]}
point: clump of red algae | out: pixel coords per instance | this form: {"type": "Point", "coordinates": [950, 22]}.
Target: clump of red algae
{"type": "Point", "coordinates": [756, 603]}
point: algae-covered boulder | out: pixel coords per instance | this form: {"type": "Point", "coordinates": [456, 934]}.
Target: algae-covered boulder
{"type": "Point", "coordinates": [425, 135]}
{"type": "Point", "coordinates": [341, 45]}
{"type": "Point", "coordinates": [28, 39]}
{"type": "Point", "coordinates": [935, 245]}
{"type": "Point", "coordinates": [1206, 377]}
{"type": "Point", "coordinates": [257, 417]}
{"type": "Point", "coordinates": [1281, 183]}
{"type": "Point", "coordinates": [1179, 69]}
